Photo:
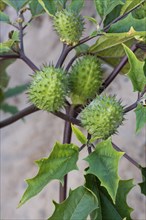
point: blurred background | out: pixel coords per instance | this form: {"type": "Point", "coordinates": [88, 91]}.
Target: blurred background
{"type": "Point", "coordinates": [30, 139]}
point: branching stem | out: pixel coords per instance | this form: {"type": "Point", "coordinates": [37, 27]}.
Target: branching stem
{"type": "Point", "coordinates": [32, 109]}
{"type": "Point", "coordinates": [105, 29]}
{"type": "Point", "coordinates": [29, 62]}
{"type": "Point", "coordinates": [63, 55]}
{"type": "Point", "coordinates": [66, 140]}
{"type": "Point", "coordinates": [131, 160]}
{"type": "Point", "coordinates": [116, 70]}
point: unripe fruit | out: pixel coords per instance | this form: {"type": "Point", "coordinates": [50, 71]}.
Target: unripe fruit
{"type": "Point", "coordinates": [48, 89]}
{"type": "Point", "coordinates": [85, 79]}
{"type": "Point", "coordinates": [69, 26]}
{"type": "Point", "coordinates": [102, 116]}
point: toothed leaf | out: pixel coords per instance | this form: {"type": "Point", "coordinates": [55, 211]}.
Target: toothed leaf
{"type": "Point", "coordinates": [123, 189]}
{"type": "Point", "coordinates": [143, 184]}
{"type": "Point", "coordinates": [91, 183]}
{"type": "Point", "coordinates": [136, 72]}
{"type": "Point", "coordinates": [103, 163]}
{"type": "Point", "coordinates": [80, 203]}
{"type": "Point", "coordinates": [109, 210]}
{"type": "Point", "coordinates": [140, 112]}
{"type": "Point", "coordinates": [62, 160]}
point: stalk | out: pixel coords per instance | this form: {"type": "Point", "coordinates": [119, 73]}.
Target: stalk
{"type": "Point", "coordinates": [66, 140]}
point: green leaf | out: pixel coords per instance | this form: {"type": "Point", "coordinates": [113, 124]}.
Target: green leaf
{"type": "Point", "coordinates": [93, 20]}
{"type": "Point", "coordinates": [109, 47]}
{"type": "Point", "coordinates": [80, 203]}
{"type": "Point", "coordinates": [35, 8]}
{"type": "Point", "coordinates": [83, 48]}
{"type": "Point", "coordinates": [106, 206]}
{"type": "Point", "coordinates": [4, 79]}
{"type": "Point", "coordinates": [9, 108]}
{"type": "Point", "coordinates": [91, 183]}
{"type": "Point", "coordinates": [117, 211]}
{"type": "Point", "coordinates": [108, 209]}
{"type": "Point", "coordinates": [79, 135]}
{"type": "Point", "coordinates": [16, 90]}
{"type": "Point", "coordinates": [110, 40]}
{"type": "Point", "coordinates": [76, 5]}
{"type": "Point", "coordinates": [144, 68]}
{"type": "Point", "coordinates": [136, 72]}
{"type": "Point", "coordinates": [17, 4]}
{"type": "Point", "coordinates": [62, 160]}
{"type": "Point", "coordinates": [6, 46]}
{"type": "Point", "coordinates": [123, 189]}
{"type": "Point", "coordinates": [140, 112]}
{"type": "Point", "coordinates": [130, 4]}
{"type": "Point", "coordinates": [104, 7]}
{"type": "Point", "coordinates": [1, 96]}
{"type": "Point", "coordinates": [112, 15]}
{"type": "Point", "coordinates": [103, 163]}
{"type": "Point", "coordinates": [4, 18]}
{"type": "Point", "coordinates": [125, 24]}
{"type": "Point", "coordinates": [15, 36]}
{"type": "Point", "coordinates": [49, 6]}
{"type": "Point", "coordinates": [143, 184]}
{"type": "Point", "coordinates": [116, 53]}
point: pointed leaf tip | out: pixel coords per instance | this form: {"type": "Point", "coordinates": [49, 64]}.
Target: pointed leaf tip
{"type": "Point", "coordinates": [61, 160]}
{"type": "Point", "coordinates": [103, 163]}
{"type": "Point", "coordinates": [79, 135]}
{"type": "Point", "coordinates": [140, 112]}
{"type": "Point", "coordinates": [80, 203]}
{"type": "Point", "coordinates": [136, 72]}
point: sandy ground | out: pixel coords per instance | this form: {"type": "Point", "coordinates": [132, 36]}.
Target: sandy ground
{"type": "Point", "coordinates": [26, 141]}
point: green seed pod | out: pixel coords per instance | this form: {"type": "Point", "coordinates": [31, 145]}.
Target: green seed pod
{"type": "Point", "coordinates": [102, 116]}
{"type": "Point", "coordinates": [85, 79]}
{"type": "Point", "coordinates": [48, 89]}
{"type": "Point", "coordinates": [69, 26]}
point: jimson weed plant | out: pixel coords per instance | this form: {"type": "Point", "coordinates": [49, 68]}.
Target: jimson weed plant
{"type": "Point", "coordinates": [76, 93]}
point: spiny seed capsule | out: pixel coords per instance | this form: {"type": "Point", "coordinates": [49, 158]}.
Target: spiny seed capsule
{"type": "Point", "coordinates": [69, 26]}
{"type": "Point", "coordinates": [102, 116]}
{"type": "Point", "coordinates": [48, 89]}
{"type": "Point", "coordinates": [85, 79]}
